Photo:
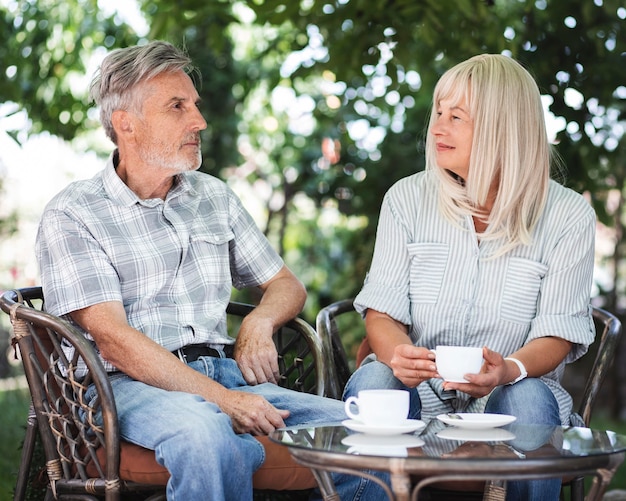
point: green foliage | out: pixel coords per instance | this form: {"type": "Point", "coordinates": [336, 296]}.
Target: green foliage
{"type": "Point", "coordinates": [46, 46]}
{"type": "Point", "coordinates": [14, 405]}
{"type": "Point", "coordinates": [338, 64]}
{"type": "Point", "coordinates": [578, 48]}
{"type": "Point", "coordinates": [572, 49]}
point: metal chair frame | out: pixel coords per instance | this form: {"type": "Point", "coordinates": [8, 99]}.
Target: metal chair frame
{"type": "Point", "coordinates": [70, 432]}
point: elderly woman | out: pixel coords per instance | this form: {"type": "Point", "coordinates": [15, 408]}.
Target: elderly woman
{"type": "Point", "coordinates": [482, 249]}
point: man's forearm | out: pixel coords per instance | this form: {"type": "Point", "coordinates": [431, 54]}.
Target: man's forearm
{"type": "Point", "coordinates": [283, 298]}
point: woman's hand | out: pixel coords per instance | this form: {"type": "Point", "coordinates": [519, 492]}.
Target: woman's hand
{"type": "Point", "coordinates": [492, 374]}
{"type": "Point", "coordinates": [413, 364]}
{"type": "Point", "coordinates": [539, 357]}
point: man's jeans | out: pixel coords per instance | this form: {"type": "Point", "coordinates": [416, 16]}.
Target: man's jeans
{"type": "Point", "coordinates": [195, 441]}
{"type": "Point", "coordinates": [530, 400]}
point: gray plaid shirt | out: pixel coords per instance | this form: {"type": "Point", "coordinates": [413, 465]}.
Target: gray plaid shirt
{"type": "Point", "coordinates": [172, 263]}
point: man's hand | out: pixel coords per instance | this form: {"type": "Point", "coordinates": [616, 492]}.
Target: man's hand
{"type": "Point", "coordinates": [413, 364]}
{"type": "Point", "coordinates": [255, 352]}
{"type": "Point", "coordinates": [251, 413]}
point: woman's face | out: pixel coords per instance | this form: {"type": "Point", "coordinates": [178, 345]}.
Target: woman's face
{"type": "Point", "coordinates": [453, 129]}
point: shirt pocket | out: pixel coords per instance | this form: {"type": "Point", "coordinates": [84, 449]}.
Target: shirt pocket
{"type": "Point", "coordinates": [210, 231]}
{"type": "Point", "coordinates": [209, 251]}
{"type": "Point", "coordinates": [211, 238]}
{"type": "Point", "coordinates": [427, 270]}
{"type": "Point", "coordinates": [521, 290]}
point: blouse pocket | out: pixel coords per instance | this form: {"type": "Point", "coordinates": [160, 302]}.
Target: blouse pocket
{"type": "Point", "coordinates": [428, 266]}
{"type": "Point", "coordinates": [521, 290]}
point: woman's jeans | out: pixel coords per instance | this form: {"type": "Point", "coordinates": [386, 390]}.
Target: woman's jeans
{"type": "Point", "coordinates": [195, 441]}
{"type": "Point", "coordinates": [530, 400]}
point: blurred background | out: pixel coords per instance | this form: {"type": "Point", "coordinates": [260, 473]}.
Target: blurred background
{"type": "Point", "coordinates": [315, 107]}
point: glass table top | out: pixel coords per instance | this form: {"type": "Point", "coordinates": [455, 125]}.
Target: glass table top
{"type": "Point", "coordinates": [438, 440]}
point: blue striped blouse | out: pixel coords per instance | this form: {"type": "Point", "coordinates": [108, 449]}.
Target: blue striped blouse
{"type": "Point", "coordinates": [437, 278]}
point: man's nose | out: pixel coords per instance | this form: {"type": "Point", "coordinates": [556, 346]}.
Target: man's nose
{"type": "Point", "coordinates": [199, 123]}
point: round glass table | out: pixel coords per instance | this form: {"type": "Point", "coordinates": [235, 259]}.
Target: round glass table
{"type": "Point", "coordinates": [440, 453]}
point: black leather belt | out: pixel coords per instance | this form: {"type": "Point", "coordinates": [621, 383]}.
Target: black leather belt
{"type": "Point", "coordinates": [193, 352]}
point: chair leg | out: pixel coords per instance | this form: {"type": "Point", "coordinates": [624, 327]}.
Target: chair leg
{"type": "Point", "coordinates": [28, 448]}
{"type": "Point", "coordinates": [495, 490]}
{"type": "Point", "coordinates": [577, 489]}
{"type": "Point", "coordinates": [160, 496]}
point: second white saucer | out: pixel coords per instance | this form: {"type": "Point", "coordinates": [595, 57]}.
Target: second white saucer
{"type": "Point", "coordinates": [476, 420]}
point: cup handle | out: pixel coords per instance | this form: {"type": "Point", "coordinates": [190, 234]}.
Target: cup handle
{"type": "Point", "coordinates": [349, 401]}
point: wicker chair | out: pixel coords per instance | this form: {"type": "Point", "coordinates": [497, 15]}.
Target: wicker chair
{"type": "Point", "coordinates": [85, 459]}
{"type": "Point", "coordinates": [608, 329]}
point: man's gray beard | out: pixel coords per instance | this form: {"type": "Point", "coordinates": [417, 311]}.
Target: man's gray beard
{"type": "Point", "coordinates": [151, 157]}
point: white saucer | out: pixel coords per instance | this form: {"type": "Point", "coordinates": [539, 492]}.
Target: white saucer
{"type": "Point", "coordinates": [476, 421]}
{"type": "Point", "coordinates": [482, 435]}
{"type": "Point", "coordinates": [408, 426]}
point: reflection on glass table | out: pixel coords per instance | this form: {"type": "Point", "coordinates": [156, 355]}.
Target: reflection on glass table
{"type": "Point", "coordinates": [445, 453]}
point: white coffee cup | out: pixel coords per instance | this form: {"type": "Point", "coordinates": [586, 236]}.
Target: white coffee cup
{"type": "Point", "coordinates": [379, 407]}
{"type": "Point", "coordinates": [453, 362]}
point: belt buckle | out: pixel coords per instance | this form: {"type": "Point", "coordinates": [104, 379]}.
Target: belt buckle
{"type": "Point", "coordinates": [211, 350]}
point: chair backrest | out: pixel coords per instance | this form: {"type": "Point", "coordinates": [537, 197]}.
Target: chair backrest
{"type": "Point", "coordinates": [71, 429]}
{"type": "Point", "coordinates": [328, 329]}
{"type": "Point", "coordinates": [74, 431]}
{"type": "Point", "coordinates": [608, 333]}
{"type": "Point", "coordinates": [301, 361]}
{"type": "Point", "coordinates": [603, 350]}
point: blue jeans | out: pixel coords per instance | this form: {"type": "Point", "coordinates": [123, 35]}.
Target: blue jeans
{"type": "Point", "coordinates": [376, 375]}
{"type": "Point", "coordinates": [195, 441]}
{"type": "Point", "coordinates": [530, 400]}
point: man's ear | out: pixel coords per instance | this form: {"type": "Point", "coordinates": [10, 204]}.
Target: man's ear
{"type": "Point", "coordinates": [122, 122]}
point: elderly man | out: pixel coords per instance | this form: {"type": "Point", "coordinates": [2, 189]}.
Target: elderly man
{"type": "Point", "coordinates": [143, 257]}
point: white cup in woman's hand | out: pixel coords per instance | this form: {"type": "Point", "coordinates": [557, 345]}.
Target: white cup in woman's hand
{"type": "Point", "coordinates": [379, 407]}
{"type": "Point", "coordinates": [453, 362]}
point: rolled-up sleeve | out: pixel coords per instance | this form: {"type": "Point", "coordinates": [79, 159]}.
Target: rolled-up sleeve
{"type": "Point", "coordinates": [386, 287]}
{"type": "Point", "coordinates": [563, 310]}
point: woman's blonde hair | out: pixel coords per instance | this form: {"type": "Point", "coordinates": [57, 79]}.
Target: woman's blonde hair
{"type": "Point", "coordinates": [510, 148]}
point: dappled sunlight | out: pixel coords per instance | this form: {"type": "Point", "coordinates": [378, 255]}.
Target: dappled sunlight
{"type": "Point", "coordinates": [34, 173]}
